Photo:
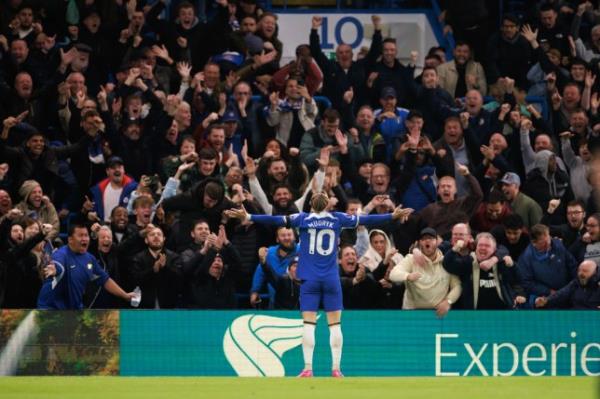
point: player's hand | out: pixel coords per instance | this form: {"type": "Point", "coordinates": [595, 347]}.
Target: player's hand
{"type": "Point", "coordinates": [237, 213]}
{"type": "Point", "coordinates": [414, 276]}
{"type": "Point", "coordinates": [402, 214]}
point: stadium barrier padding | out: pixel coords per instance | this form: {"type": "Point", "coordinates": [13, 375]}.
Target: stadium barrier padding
{"type": "Point", "coordinates": [230, 343]}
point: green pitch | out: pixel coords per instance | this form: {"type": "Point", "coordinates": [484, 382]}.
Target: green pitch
{"type": "Point", "coordinates": [292, 388]}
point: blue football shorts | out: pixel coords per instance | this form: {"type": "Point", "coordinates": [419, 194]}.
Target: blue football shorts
{"type": "Point", "coordinates": [315, 292]}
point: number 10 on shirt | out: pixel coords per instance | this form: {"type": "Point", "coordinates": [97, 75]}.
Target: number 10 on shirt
{"type": "Point", "coordinates": [317, 241]}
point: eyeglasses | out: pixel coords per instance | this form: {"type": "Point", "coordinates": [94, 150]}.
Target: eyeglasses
{"type": "Point", "coordinates": [243, 93]}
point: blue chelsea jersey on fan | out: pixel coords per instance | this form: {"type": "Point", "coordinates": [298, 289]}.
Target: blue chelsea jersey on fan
{"type": "Point", "coordinates": [319, 238]}
{"type": "Point", "coordinates": [73, 272]}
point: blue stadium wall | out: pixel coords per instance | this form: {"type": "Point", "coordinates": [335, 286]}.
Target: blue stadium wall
{"type": "Point", "coordinates": [230, 343]}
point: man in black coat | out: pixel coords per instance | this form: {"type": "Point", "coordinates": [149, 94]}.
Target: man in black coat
{"type": "Point", "coordinates": [35, 159]}
{"type": "Point", "coordinates": [508, 54]}
{"type": "Point", "coordinates": [582, 292]}
{"type": "Point", "coordinates": [212, 276]}
{"type": "Point", "coordinates": [359, 288]}
{"type": "Point", "coordinates": [204, 201]}
{"type": "Point", "coordinates": [344, 74]}
{"type": "Point", "coordinates": [157, 271]}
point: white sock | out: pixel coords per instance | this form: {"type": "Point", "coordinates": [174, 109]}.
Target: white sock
{"type": "Point", "coordinates": [308, 344]}
{"type": "Point", "coordinates": [336, 341]}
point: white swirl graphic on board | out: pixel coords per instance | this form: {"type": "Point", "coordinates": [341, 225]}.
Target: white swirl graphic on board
{"type": "Point", "coordinates": [254, 344]}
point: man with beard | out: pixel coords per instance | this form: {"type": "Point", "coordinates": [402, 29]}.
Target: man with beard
{"type": "Point", "coordinates": [114, 190]}
{"type": "Point", "coordinates": [119, 219]}
{"type": "Point", "coordinates": [482, 274]}
{"type": "Point", "coordinates": [195, 253]}
{"type": "Point", "coordinates": [587, 247]}
{"type": "Point", "coordinates": [213, 278]}
{"type": "Point", "coordinates": [521, 204]}
{"type": "Point", "coordinates": [491, 213]}
{"type": "Point", "coordinates": [157, 271]}
{"type": "Point", "coordinates": [132, 240]}
{"type": "Point", "coordinates": [428, 284]}
{"type": "Point", "coordinates": [69, 271]}
{"type": "Point", "coordinates": [286, 285]}
{"type": "Point", "coordinates": [582, 292]}
{"type": "Point", "coordinates": [282, 200]}
{"type": "Point", "coordinates": [462, 73]}
{"type": "Point", "coordinates": [215, 139]}
{"type": "Point", "coordinates": [276, 259]}
{"type": "Point", "coordinates": [274, 170]}
{"type": "Point", "coordinates": [22, 26]}
{"type": "Point", "coordinates": [359, 288]}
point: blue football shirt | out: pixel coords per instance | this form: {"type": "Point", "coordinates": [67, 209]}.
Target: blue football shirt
{"type": "Point", "coordinates": [319, 238]}
{"type": "Point", "coordinates": [73, 272]}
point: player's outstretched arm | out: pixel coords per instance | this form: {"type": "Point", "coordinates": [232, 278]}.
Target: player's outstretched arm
{"type": "Point", "coordinates": [399, 213]}
{"type": "Point", "coordinates": [242, 214]}
{"type": "Point", "coordinates": [402, 214]}
{"type": "Point", "coordinates": [237, 213]}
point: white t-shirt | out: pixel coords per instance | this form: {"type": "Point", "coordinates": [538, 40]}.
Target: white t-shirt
{"type": "Point", "coordinates": [111, 200]}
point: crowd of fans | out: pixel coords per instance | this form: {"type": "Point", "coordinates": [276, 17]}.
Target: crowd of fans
{"type": "Point", "coordinates": [130, 126]}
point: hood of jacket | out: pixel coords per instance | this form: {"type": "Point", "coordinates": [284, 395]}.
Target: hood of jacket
{"type": "Point", "coordinates": [371, 259]}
